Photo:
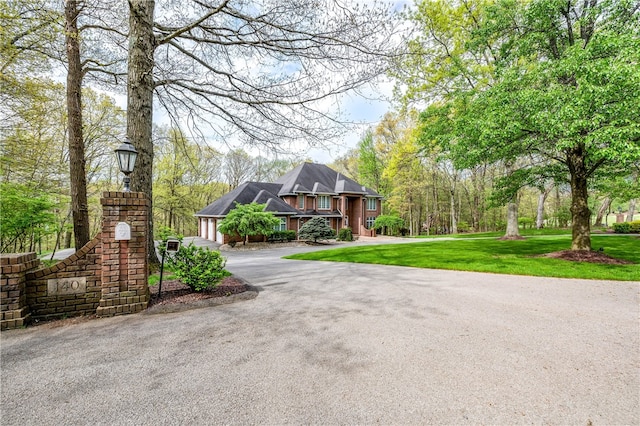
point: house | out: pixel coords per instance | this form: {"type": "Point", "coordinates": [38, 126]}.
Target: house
{"type": "Point", "coordinates": [308, 190]}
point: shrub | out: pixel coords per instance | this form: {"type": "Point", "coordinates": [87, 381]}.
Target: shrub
{"type": "Point", "coordinates": [463, 226]}
{"type": "Point", "coordinates": [345, 234]}
{"type": "Point", "coordinates": [282, 236]}
{"type": "Point", "coordinates": [622, 228]}
{"type": "Point", "coordinates": [199, 267]}
{"type": "Point", "coordinates": [634, 227]}
{"type": "Point", "coordinates": [390, 224]}
{"type": "Point", "coordinates": [526, 221]}
{"type": "Point", "coordinates": [316, 229]}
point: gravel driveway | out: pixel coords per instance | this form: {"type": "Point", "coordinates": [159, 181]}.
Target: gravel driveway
{"type": "Point", "coordinates": [331, 343]}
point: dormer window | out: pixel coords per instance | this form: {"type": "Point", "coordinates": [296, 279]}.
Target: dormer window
{"type": "Point", "coordinates": [324, 202]}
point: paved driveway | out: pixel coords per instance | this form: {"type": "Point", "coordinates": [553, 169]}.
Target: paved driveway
{"type": "Point", "coordinates": [331, 343]}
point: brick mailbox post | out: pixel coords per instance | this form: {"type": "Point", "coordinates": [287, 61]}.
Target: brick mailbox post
{"type": "Point", "coordinates": [124, 253]}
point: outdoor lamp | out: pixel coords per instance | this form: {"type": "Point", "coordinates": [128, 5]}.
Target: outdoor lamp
{"type": "Point", "coordinates": [126, 155]}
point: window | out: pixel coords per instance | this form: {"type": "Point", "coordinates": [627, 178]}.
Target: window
{"type": "Point", "coordinates": [282, 226]}
{"type": "Point", "coordinates": [372, 204]}
{"type": "Point", "coordinates": [369, 222]}
{"type": "Point", "coordinates": [323, 202]}
{"type": "Point", "coordinates": [300, 202]}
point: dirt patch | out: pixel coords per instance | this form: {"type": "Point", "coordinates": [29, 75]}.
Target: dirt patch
{"type": "Point", "coordinates": [512, 238]}
{"type": "Point", "coordinates": [591, 256]}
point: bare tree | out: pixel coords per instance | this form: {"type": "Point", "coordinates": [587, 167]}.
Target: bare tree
{"type": "Point", "coordinates": [253, 71]}
{"type": "Point", "coordinates": [239, 167]}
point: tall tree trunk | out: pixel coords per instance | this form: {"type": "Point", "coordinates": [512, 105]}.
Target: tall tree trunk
{"type": "Point", "coordinates": [632, 210]}
{"type": "Point", "coordinates": [604, 208]}
{"type": "Point", "coordinates": [140, 87]}
{"type": "Point", "coordinates": [454, 220]}
{"type": "Point", "coordinates": [544, 193]}
{"type": "Point", "coordinates": [512, 211]}
{"type": "Point", "coordinates": [78, 179]}
{"type": "Point", "coordinates": [512, 219]}
{"type": "Point", "coordinates": [580, 213]}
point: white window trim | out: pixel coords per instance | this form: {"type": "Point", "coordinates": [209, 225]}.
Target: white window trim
{"type": "Point", "coordinates": [324, 197]}
{"type": "Point", "coordinates": [375, 204]}
{"type": "Point", "coordinates": [370, 220]}
{"type": "Point", "coordinates": [300, 197]}
{"type": "Point", "coordinates": [282, 226]}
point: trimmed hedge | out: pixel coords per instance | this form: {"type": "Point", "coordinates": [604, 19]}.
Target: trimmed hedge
{"type": "Point", "coordinates": [282, 236]}
{"type": "Point", "coordinates": [627, 227]}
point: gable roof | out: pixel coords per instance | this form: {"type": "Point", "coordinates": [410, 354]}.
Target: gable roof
{"type": "Point", "coordinates": [248, 192]}
{"type": "Point", "coordinates": [322, 180]}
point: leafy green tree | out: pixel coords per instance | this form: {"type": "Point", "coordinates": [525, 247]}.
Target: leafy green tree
{"type": "Point", "coordinates": [26, 216]}
{"type": "Point", "coordinates": [408, 174]}
{"type": "Point", "coordinates": [370, 165]}
{"type": "Point", "coordinates": [565, 95]}
{"type": "Point", "coordinates": [316, 229]}
{"type": "Point", "coordinates": [569, 91]}
{"type": "Point", "coordinates": [248, 219]}
{"type": "Point", "coordinates": [390, 224]}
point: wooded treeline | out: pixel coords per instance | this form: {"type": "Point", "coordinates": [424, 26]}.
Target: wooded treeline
{"type": "Point", "coordinates": [509, 112]}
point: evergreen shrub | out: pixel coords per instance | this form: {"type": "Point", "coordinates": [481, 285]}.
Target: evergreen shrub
{"type": "Point", "coordinates": [345, 234]}
{"type": "Point", "coordinates": [198, 267]}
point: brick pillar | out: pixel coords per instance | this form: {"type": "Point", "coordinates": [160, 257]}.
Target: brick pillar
{"type": "Point", "coordinates": [125, 272]}
{"type": "Point", "coordinates": [14, 311]}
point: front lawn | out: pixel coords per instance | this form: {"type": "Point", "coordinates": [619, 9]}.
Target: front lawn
{"type": "Point", "coordinates": [520, 257]}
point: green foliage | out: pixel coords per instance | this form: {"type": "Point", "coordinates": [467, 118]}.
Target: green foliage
{"type": "Point", "coordinates": [345, 234]}
{"type": "Point", "coordinates": [316, 229]}
{"type": "Point", "coordinates": [564, 89]}
{"type": "Point", "coordinates": [198, 267]}
{"type": "Point", "coordinates": [463, 226]}
{"type": "Point", "coordinates": [392, 224]}
{"type": "Point", "coordinates": [282, 236]}
{"type": "Point", "coordinates": [526, 222]}
{"type": "Point", "coordinates": [634, 227]}
{"type": "Point", "coordinates": [626, 227]}
{"type": "Point", "coordinates": [25, 216]}
{"type": "Point", "coordinates": [248, 219]}
{"type": "Point", "coordinates": [621, 228]}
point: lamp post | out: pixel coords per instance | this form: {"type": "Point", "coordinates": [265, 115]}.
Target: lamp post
{"type": "Point", "coordinates": [126, 155]}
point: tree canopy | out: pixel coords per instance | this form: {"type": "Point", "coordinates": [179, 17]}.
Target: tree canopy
{"type": "Point", "coordinates": [565, 96]}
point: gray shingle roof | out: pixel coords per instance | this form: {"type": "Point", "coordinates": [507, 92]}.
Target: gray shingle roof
{"type": "Point", "coordinates": [248, 192]}
{"type": "Point", "coordinates": [322, 180]}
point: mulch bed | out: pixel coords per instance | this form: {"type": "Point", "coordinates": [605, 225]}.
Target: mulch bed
{"type": "Point", "coordinates": [591, 256]}
{"type": "Point", "coordinates": [175, 292]}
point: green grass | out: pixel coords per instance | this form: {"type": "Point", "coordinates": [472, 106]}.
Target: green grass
{"type": "Point", "coordinates": [167, 274]}
{"type": "Point", "coordinates": [520, 257]}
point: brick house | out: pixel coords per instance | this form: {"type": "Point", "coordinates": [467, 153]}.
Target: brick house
{"type": "Point", "coordinates": [308, 190]}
